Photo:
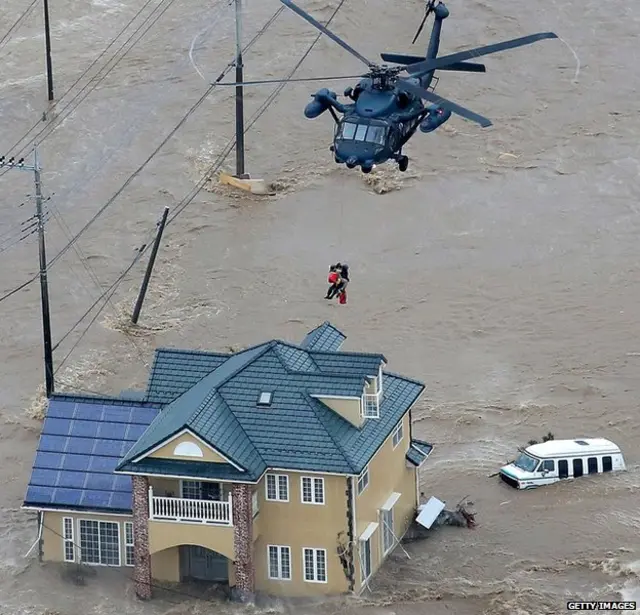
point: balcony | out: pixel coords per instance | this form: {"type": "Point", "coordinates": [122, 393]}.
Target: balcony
{"type": "Point", "coordinates": [184, 510]}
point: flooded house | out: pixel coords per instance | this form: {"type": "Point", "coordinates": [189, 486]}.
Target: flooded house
{"type": "Point", "coordinates": [283, 469]}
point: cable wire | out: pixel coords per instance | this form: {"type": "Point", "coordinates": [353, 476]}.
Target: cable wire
{"type": "Point", "coordinates": [17, 22]}
{"type": "Point", "coordinates": [62, 116]}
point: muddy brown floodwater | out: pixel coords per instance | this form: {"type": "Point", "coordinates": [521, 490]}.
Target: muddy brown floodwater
{"type": "Point", "coordinates": [502, 270]}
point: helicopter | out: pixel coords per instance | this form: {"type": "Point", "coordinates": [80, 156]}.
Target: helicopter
{"type": "Point", "coordinates": [387, 109]}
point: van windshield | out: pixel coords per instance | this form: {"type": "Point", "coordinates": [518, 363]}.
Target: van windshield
{"type": "Point", "coordinates": [526, 463]}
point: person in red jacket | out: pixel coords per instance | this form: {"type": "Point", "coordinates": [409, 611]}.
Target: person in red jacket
{"type": "Point", "coordinates": [334, 281]}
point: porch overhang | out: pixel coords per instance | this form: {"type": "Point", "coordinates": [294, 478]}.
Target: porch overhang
{"type": "Point", "coordinates": [196, 470]}
{"type": "Point", "coordinates": [418, 452]}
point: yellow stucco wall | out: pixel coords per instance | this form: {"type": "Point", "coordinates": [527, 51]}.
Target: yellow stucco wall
{"type": "Point", "coordinates": [165, 534]}
{"type": "Point", "coordinates": [349, 409]}
{"type": "Point", "coordinates": [166, 452]}
{"type": "Point", "coordinates": [388, 473]}
{"type": "Point", "coordinates": [165, 565]}
{"type": "Point", "coordinates": [299, 525]}
{"type": "Point", "coordinates": [52, 532]}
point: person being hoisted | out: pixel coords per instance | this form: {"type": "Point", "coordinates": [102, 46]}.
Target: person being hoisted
{"type": "Point", "coordinates": [338, 280]}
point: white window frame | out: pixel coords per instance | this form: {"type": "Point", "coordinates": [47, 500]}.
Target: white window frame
{"type": "Point", "coordinates": [68, 539]}
{"type": "Point", "coordinates": [313, 481]}
{"type": "Point", "coordinates": [315, 565]}
{"type": "Point", "coordinates": [387, 532]}
{"type": "Point", "coordinates": [100, 522]}
{"type": "Point", "coordinates": [280, 550]}
{"type": "Point", "coordinates": [278, 488]}
{"type": "Point", "coordinates": [363, 578]}
{"type": "Point", "coordinates": [398, 429]}
{"type": "Point", "coordinates": [129, 545]}
{"type": "Point", "coordinates": [363, 480]}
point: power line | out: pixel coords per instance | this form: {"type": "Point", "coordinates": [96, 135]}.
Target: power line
{"type": "Point", "coordinates": [108, 294]}
{"type": "Point", "coordinates": [18, 21]}
{"type": "Point", "coordinates": [61, 116]}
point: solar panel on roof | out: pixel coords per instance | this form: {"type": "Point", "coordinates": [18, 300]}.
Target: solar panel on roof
{"type": "Point", "coordinates": [45, 478]}
{"type": "Point", "coordinates": [109, 448]}
{"type": "Point", "coordinates": [75, 462]}
{"type": "Point", "coordinates": [39, 494]}
{"type": "Point", "coordinates": [48, 460]}
{"type": "Point", "coordinates": [54, 444]}
{"type": "Point", "coordinates": [70, 480]}
{"type": "Point", "coordinates": [121, 501]}
{"type": "Point", "coordinates": [117, 414]}
{"type": "Point", "coordinates": [60, 427]}
{"type": "Point", "coordinates": [135, 431]}
{"type": "Point", "coordinates": [102, 464]}
{"type": "Point", "coordinates": [89, 412]}
{"type": "Point", "coordinates": [99, 499]}
{"type": "Point", "coordinates": [101, 482]}
{"type": "Point", "coordinates": [84, 429]}
{"type": "Point", "coordinates": [122, 483]}
{"type": "Point", "coordinates": [67, 497]}
{"type": "Point", "coordinates": [113, 431]}
{"type": "Point", "coordinates": [79, 446]}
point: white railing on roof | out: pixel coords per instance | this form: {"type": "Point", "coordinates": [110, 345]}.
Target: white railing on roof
{"type": "Point", "coordinates": [371, 405]}
{"type": "Point", "coordinates": [184, 510]}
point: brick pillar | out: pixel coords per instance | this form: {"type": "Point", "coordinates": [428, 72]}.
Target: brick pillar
{"type": "Point", "coordinates": [243, 542]}
{"type": "Point", "coordinates": [142, 559]}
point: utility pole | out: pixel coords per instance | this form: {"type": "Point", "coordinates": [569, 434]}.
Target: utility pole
{"type": "Point", "coordinates": [239, 95]}
{"type": "Point", "coordinates": [152, 260]}
{"type": "Point", "coordinates": [12, 163]}
{"type": "Point", "coordinates": [47, 45]}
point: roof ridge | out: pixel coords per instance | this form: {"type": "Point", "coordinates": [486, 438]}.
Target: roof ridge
{"type": "Point", "coordinates": [335, 442]}
{"type": "Point", "coordinates": [107, 400]}
{"type": "Point", "coordinates": [244, 433]}
{"type": "Point", "coordinates": [235, 372]}
{"type": "Point", "coordinates": [348, 353]}
{"type": "Point", "coordinates": [211, 353]}
{"type": "Point", "coordinates": [301, 349]}
{"type": "Point", "coordinates": [400, 377]}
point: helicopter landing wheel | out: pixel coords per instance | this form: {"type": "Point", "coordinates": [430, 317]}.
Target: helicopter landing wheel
{"type": "Point", "coordinates": [403, 163]}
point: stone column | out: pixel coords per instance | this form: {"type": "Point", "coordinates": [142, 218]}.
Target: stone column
{"type": "Point", "coordinates": [142, 559]}
{"type": "Point", "coordinates": [243, 542]}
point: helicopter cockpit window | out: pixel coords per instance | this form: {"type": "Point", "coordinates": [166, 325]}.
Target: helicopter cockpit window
{"type": "Point", "coordinates": [348, 130]}
{"type": "Point", "coordinates": [377, 135]}
{"type": "Point", "coordinates": [361, 132]}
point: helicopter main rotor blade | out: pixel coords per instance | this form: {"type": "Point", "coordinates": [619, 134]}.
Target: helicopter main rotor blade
{"type": "Point", "coordinates": [334, 37]}
{"type": "Point", "coordinates": [296, 80]}
{"type": "Point", "coordinates": [398, 58]}
{"type": "Point", "coordinates": [446, 104]}
{"type": "Point", "coordinates": [426, 66]}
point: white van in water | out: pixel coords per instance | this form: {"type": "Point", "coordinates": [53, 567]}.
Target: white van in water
{"type": "Point", "coordinates": [554, 460]}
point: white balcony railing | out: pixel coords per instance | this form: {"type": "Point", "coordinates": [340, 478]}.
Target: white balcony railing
{"type": "Point", "coordinates": [183, 510]}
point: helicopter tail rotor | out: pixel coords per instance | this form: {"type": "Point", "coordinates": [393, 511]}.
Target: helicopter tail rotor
{"type": "Point", "coordinates": [428, 10]}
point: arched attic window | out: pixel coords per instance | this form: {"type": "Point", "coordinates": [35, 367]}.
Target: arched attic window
{"type": "Point", "coordinates": [188, 449]}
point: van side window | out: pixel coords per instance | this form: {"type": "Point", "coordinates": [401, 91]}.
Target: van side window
{"type": "Point", "coordinates": [592, 464]}
{"type": "Point", "coordinates": [549, 465]}
{"type": "Point", "coordinates": [606, 464]}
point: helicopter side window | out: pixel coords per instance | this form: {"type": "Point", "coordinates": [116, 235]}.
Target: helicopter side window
{"type": "Point", "coordinates": [361, 132]}
{"type": "Point", "coordinates": [348, 130]}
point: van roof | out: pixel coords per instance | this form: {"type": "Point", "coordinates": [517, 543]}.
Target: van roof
{"type": "Point", "coordinates": [584, 446]}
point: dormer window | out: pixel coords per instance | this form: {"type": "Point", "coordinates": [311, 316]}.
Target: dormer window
{"type": "Point", "coordinates": [265, 398]}
{"type": "Point", "coordinates": [370, 403]}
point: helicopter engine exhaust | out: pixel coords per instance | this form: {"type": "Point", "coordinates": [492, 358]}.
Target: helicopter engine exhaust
{"type": "Point", "coordinates": [322, 100]}
{"type": "Point", "coordinates": [434, 119]}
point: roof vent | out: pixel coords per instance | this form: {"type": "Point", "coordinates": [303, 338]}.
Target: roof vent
{"type": "Point", "coordinates": [582, 442]}
{"type": "Point", "coordinates": [265, 398]}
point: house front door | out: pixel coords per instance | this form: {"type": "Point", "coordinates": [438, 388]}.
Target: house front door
{"type": "Point", "coordinates": [200, 564]}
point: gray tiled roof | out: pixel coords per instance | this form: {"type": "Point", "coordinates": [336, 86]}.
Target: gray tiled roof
{"type": "Point", "coordinates": [418, 452]}
{"type": "Point", "coordinates": [324, 337]}
{"type": "Point", "coordinates": [296, 431]}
